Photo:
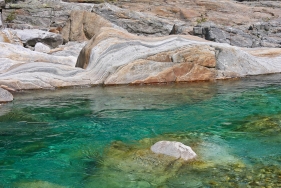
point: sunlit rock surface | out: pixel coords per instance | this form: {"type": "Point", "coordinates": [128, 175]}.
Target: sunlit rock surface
{"type": "Point", "coordinates": [174, 149]}
{"type": "Point", "coordinates": [114, 56]}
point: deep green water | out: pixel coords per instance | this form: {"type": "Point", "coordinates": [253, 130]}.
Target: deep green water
{"type": "Point", "coordinates": [60, 137]}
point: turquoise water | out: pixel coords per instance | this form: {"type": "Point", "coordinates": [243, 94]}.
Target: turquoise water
{"type": "Point", "coordinates": [68, 137]}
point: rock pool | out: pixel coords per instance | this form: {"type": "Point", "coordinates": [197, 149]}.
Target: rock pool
{"type": "Point", "coordinates": [100, 136]}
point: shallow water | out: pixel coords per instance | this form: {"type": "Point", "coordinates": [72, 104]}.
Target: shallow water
{"type": "Point", "coordinates": [59, 138]}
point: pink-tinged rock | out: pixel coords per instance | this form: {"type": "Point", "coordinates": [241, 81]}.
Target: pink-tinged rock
{"type": "Point", "coordinates": [174, 149]}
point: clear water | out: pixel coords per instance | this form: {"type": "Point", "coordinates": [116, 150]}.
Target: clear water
{"type": "Point", "coordinates": [59, 138]}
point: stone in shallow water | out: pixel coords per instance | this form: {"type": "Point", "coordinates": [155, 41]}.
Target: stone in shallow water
{"type": "Point", "coordinates": [138, 166]}
{"type": "Point", "coordinates": [174, 149]}
{"type": "Point", "coordinates": [5, 96]}
{"type": "Point", "coordinates": [266, 125]}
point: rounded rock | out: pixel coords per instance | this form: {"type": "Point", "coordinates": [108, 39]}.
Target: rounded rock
{"type": "Point", "coordinates": [5, 96]}
{"type": "Point", "coordinates": [174, 149]}
{"type": "Point", "coordinates": [40, 47]}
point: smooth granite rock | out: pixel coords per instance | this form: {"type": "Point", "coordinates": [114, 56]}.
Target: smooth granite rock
{"type": "Point", "coordinates": [40, 47]}
{"type": "Point", "coordinates": [174, 149]}
{"type": "Point", "coordinates": [5, 96]}
{"type": "Point", "coordinates": [83, 25]}
{"type": "Point", "coordinates": [115, 56]}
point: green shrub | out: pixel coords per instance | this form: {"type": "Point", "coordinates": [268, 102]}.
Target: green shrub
{"type": "Point", "coordinates": [11, 17]}
{"type": "Point", "coordinates": [201, 19]}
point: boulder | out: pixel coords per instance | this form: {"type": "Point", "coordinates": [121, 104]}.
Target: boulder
{"type": "Point", "coordinates": [83, 25]}
{"type": "Point", "coordinates": [31, 36]}
{"type": "Point", "coordinates": [40, 47]}
{"type": "Point", "coordinates": [134, 163]}
{"type": "Point", "coordinates": [174, 149]}
{"type": "Point", "coordinates": [5, 96]}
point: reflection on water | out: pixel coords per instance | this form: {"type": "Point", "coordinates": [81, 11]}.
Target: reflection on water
{"type": "Point", "coordinates": [100, 136]}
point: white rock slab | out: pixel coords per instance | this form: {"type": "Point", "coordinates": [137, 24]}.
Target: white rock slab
{"type": "Point", "coordinates": [40, 47]}
{"type": "Point", "coordinates": [174, 149]}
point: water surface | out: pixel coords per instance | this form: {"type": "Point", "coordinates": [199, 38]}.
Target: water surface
{"type": "Point", "coordinates": [65, 137]}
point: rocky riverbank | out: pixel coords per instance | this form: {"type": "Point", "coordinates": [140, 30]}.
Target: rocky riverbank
{"type": "Point", "coordinates": [53, 43]}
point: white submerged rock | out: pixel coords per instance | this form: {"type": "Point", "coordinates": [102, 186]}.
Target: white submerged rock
{"type": "Point", "coordinates": [174, 149]}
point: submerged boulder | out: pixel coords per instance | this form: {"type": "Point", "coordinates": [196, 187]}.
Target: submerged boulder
{"type": "Point", "coordinates": [37, 184]}
{"type": "Point", "coordinates": [134, 164]}
{"type": "Point", "coordinates": [265, 125]}
{"type": "Point", "coordinates": [5, 96]}
{"type": "Point", "coordinates": [138, 165]}
{"type": "Point", "coordinates": [175, 149]}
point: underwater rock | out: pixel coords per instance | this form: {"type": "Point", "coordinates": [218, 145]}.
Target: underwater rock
{"type": "Point", "coordinates": [138, 165]}
{"type": "Point", "coordinates": [175, 149]}
{"type": "Point", "coordinates": [37, 184]}
{"type": "Point", "coordinates": [267, 125]}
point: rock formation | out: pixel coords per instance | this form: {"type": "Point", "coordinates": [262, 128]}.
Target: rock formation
{"type": "Point", "coordinates": [174, 149]}
{"type": "Point", "coordinates": [122, 47]}
{"type": "Point", "coordinates": [114, 56]}
{"type": "Point", "coordinates": [5, 96]}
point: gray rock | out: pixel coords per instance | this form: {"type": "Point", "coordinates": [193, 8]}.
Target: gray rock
{"type": "Point", "coordinates": [2, 3]}
{"type": "Point", "coordinates": [42, 14]}
{"type": "Point", "coordinates": [32, 36]}
{"type": "Point", "coordinates": [40, 47]}
{"type": "Point", "coordinates": [5, 96]}
{"type": "Point", "coordinates": [174, 149]}
{"type": "Point", "coordinates": [260, 34]}
{"type": "Point", "coordinates": [137, 22]}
